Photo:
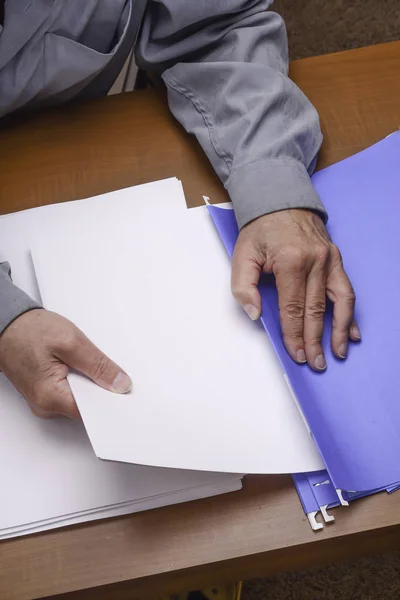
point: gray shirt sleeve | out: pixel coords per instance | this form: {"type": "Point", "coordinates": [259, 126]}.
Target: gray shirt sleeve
{"type": "Point", "coordinates": [13, 301]}
{"type": "Point", "coordinates": [225, 65]}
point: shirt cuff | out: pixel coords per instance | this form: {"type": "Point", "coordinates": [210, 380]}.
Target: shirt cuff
{"type": "Point", "coordinates": [267, 186]}
{"type": "Point", "coordinates": [13, 301]}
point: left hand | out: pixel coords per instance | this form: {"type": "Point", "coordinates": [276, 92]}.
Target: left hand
{"type": "Point", "coordinates": [295, 246]}
{"type": "Point", "coordinates": [36, 351]}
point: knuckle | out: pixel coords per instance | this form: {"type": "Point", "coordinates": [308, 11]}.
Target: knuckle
{"type": "Point", "coordinates": [68, 340]}
{"type": "Point", "coordinates": [349, 297]}
{"type": "Point", "coordinates": [293, 340]}
{"type": "Point", "coordinates": [296, 257]}
{"type": "Point", "coordinates": [321, 255]}
{"type": "Point", "coordinates": [346, 294]}
{"type": "Point", "coordinates": [316, 308]}
{"type": "Point", "coordinates": [312, 344]}
{"type": "Point", "coordinates": [239, 292]}
{"type": "Point", "coordinates": [335, 254]}
{"type": "Point", "coordinates": [42, 401]}
{"type": "Point", "coordinates": [340, 327]}
{"type": "Point", "coordinates": [294, 311]}
{"type": "Point", "coordinates": [35, 411]}
{"type": "Point", "coordinates": [40, 414]}
{"type": "Point", "coordinates": [100, 367]}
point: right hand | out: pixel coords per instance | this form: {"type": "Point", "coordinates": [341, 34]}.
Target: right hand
{"type": "Point", "coordinates": [36, 351]}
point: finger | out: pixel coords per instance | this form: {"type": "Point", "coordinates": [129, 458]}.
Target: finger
{"type": "Point", "coordinates": [314, 317]}
{"type": "Point", "coordinates": [341, 293]}
{"type": "Point", "coordinates": [291, 287]}
{"type": "Point", "coordinates": [244, 281]}
{"type": "Point", "coordinates": [83, 356]}
{"type": "Point", "coordinates": [355, 334]}
{"type": "Point", "coordinates": [64, 402]}
{"type": "Point", "coordinates": [41, 413]}
{"type": "Point", "coordinates": [54, 398]}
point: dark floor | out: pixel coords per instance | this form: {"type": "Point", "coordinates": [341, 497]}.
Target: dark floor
{"type": "Point", "coordinates": [321, 26]}
{"type": "Point", "coordinates": [375, 578]}
{"type": "Point", "coordinates": [318, 27]}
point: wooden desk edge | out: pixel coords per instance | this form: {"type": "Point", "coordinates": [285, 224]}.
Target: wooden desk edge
{"type": "Point", "coordinates": [318, 553]}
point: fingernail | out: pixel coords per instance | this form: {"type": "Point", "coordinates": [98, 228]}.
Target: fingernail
{"type": "Point", "coordinates": [252, 311]}
{"type": "Point", "coordinates": [301, 356]}
{"type": "Point", "coordinates": [320, 363]}
{"type": "Point", "coordinates": [342, 352]}
{"type": "Point", "coordinates": [122, 383]}
{"type": "Point", "coordinates": [355, 332]}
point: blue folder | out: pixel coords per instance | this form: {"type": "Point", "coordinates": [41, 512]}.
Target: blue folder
{"type": "Point", "coordinates": [353, 408]}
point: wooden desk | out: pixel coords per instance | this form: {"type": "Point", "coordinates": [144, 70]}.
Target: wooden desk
{"type": "Point", "coordinates": [126, 140]}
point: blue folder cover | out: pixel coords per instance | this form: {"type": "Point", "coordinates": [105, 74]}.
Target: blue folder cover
{"type": "Point", "coordinates": [353, 408]}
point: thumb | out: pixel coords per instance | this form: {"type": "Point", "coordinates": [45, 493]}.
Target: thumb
{"type": "Point", "coordinates": [85, 357]}
{"type": "Point", "coordinates": [244, 281]}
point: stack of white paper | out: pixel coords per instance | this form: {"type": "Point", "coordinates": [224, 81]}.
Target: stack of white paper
{"type": "Point", "coordinates": [49, 474]}
{"type": "Point", "coordinates": [51, 477]}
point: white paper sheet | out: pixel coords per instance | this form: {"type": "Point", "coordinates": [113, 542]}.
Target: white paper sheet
{"type": "Point", "coordinates": [225, 485]}
{"type": "Point", "coordinates": [48, 469]}
{"type": "Point", "coordinates": [49, 473]}
{"type": "Point", "coordinates": [150, 286]}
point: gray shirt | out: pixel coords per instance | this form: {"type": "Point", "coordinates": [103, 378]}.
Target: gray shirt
{"type": "Point", "coordinates": [225, 66]}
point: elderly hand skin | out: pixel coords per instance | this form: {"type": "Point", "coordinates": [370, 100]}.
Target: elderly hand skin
{"type": "Point", "coordinates": [295, 247]}
{"type": "Point", "coordinates": [36, 352]}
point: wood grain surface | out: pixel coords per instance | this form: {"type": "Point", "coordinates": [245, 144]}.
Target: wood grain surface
{"type": "Point", "coordinates": [125, 140]}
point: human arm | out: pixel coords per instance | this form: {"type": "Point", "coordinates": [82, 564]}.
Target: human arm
{"type": "Point", "coordinates": [225, 66]}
